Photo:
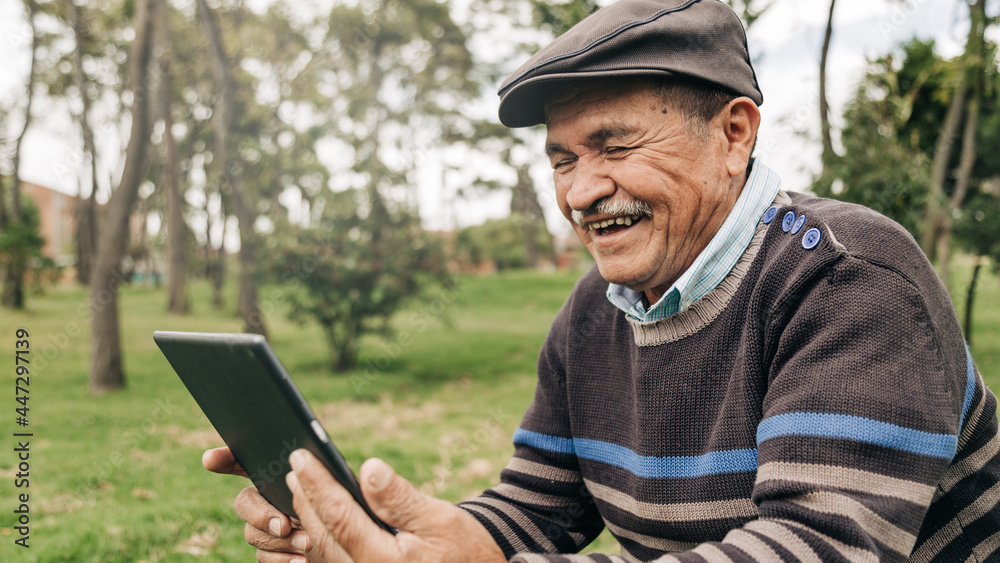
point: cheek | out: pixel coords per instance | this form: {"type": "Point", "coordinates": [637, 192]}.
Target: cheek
{"type": "Point", "coordinates": [562, 188]}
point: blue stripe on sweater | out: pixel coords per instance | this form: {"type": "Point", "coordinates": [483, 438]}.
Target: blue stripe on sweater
{"type": "Point", "coordinates": [674, 467]}
{"type": "Point", "coordinates": [827, 425]}
{"type": "Point", "coordinates": [970, 385]}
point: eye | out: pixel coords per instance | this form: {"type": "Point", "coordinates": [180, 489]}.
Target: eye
{"type": "Point", "coordinates": [563, 163]}
{"type": "Point", "coordinates": [616, 150]}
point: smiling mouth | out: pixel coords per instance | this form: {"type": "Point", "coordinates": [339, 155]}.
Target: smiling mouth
{"type": "Point", "coordinates": [613, 224]}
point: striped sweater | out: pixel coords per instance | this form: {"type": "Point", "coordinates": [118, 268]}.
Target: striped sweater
{"type": "Point", "coordinates": [819, 405]}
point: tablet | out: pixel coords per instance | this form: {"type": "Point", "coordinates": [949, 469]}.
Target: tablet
{"type": "Point", "coordinates": [257, 409]}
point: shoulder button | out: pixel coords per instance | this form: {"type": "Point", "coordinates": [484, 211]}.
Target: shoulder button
{"type": "Point", "coordinates": [811, 238]}
{"type": "Point", "coordinates": [769, 215]}
{"type": "Point", "coordinates": [788, 221]}
{"type": "Point", "coordinates": [798, 224]}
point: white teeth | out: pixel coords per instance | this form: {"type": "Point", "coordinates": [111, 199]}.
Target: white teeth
{"type": "Point", "coordinates": [620, 221]}
{"type": "Point", "coordinates": [628, 221]}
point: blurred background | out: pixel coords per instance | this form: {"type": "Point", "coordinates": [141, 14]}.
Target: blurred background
{"type": "Point", "coordinates": [332, 174]}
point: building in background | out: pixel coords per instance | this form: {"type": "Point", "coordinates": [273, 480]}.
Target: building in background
{"type": "Point", "coordinates": [57, 221]}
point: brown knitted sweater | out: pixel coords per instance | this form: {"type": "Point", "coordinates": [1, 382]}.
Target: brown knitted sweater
{"type": "Point", "coordinates": [818, 405]}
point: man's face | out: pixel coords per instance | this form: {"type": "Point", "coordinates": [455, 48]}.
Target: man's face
{"type": "Point", "coordinates": [620, 156]}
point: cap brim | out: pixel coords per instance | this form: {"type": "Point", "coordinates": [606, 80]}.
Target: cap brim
{"type": "Point", "coordinates": [524, 105]}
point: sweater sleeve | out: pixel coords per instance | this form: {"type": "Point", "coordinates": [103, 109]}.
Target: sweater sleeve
{"type": "Point", "coordinates": [859, 423]}
{"type": "Point", "coordinates": [542, 504]}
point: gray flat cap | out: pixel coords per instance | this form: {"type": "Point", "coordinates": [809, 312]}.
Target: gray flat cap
{"type": "Point", "coordinates": [700, 39]}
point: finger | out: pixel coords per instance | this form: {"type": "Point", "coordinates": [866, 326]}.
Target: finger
{"type": "Point", "coordinates": [324, 547]}
{"type": "Point", "coordinates": [394, 499]}
{"type": "Point", "coordinates": [262, 516]}
{"type": "Point", "coordinates": [221, 460]}
{"type": "Point", "coordinates": [296, 543]}
{"type": "Point", "coordinates": [327, 507]}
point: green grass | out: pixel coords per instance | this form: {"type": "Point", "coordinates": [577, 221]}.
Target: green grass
{"type": "Point", "coordinates": [118, 477]}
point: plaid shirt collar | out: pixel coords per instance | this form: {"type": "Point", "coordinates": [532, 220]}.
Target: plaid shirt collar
{"type": "Point", "coordinates": [716, 261]}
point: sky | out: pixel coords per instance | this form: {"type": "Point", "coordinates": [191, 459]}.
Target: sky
{"type": "Point", "coordinates": [785, 46]}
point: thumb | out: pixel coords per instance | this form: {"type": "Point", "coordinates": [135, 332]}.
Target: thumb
{"type": "Point", "coordinates": [393, 499]}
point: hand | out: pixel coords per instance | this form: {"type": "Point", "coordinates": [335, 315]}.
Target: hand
{"type": "Point", "coordinates": [277, 537]}
{"type": "Point", "coordinates": [431, 530]}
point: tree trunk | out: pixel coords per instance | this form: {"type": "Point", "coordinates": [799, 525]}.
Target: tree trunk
{"type": "Point", "coordinates": [177, 299]}
{"type": "Point", "coordinates": [824, 106]}
{"type": "Point", "coordinates": [86, 224]}
{"type": "Point", "coordinates": [524, 204]}
{"type": "Point", "coordinates": [966, 161]}
{"type": "Point", "coordinates": [936, 200]}
{"type": "Point", "coordinates": [249, 308]}
{"type": "Point", "coordinates": [13, 283]}
{"type": "Point", "coordinates": [215, 258]}
{"type": "Point", "coordinates": [970, 297]}
{"type": "Point", "coordinates": [971, 63]}
{"type": "Point", "coordinates": [106, 372]}
{"type": "Point", "coordinates": [218, 277]}
{"type": "Point", "coordinates": [939, 169]}
{"type": "Point", "coordinates": [343, 346]}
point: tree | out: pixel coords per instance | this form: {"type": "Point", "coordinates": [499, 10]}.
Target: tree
{"type": "Point", "coordinates": [978, 232]}
{"type": "Point", "coordinates": [488, 137]}
{"type": "Point", "coordinates": [559, 17]}
{"type": "Point", "coordinates": [86, 220]}
{"type": "Point", "coordinates": [887, 124]}
{"type": "Point", "coordinates": [824, 106]}
{"type": "Point", "coordinates": [500, 241]}
{"type": "Point", "coordinates": [966, 98]}
{"type": "Point", "coordinates": [354, 270]}
{"type": "Point", "coordinates": [21, 245]}
{"type": "Point", "coordinates": [107, 372]}
{"type": "Point", "coordinates": [225, 117]}
{"type": "Point", "coordinates": [751, 10]}
{"type": "Point", "coordinates": [88, 77]}
{"type": "Point", "coordinates": [177, 298]}
{"type": "Point", "coordinates": [395, 73]}
{"type": "Point", "coordinates": [13, 290]}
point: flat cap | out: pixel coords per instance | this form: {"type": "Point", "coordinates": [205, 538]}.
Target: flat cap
{"type": "Point", "coordinates": [699, 39]}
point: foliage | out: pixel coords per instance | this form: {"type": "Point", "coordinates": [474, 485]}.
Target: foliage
{"type": "Point", "coordinates": [750, 10]}
{"type": "Point", "coordinates": [890, 130]}
{"type": "Point", "coordinates": [499, 241]}
{"type": "Point", "coordinates": [978, 229]}
{"type": "Point", "coordinates": [561, 16]}
{"type": "Point", "coordinates": [354, 270]}
{"type": "Point", "coordinates": [21, 247]}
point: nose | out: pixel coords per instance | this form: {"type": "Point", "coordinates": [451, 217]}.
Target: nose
{"type": "Point", "coordinates": [591, 182]}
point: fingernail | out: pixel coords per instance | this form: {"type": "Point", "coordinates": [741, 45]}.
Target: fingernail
{"type": "Point", "coordinates": [300, 542]}
{"type": "Point", "coordinates": [297, 560]}
{"type": "Point", "coordinates": [292, 481]}
{"type": "Point", "coordinates": [296, 460]}
{"type": "Point", "coordinates": [275, 526]}
{"type": "Point", "coordinates": [380, 478]}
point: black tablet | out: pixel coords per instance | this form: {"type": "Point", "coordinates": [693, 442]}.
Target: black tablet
{"type": "Point", "coordinates": [255, 406]}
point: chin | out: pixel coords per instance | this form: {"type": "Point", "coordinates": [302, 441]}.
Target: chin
{"type": "Point", "coordinates": [636, 281]}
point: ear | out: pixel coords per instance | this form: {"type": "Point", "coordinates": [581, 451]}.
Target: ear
{"type": "Point", "coordinates": [741, 118]}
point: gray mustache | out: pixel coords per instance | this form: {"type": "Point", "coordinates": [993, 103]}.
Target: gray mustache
{"type": "Point", "coordinates": [615, 207]}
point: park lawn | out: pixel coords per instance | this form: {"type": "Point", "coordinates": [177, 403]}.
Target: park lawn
{"type": "Point", "coordinates": [118, 477]}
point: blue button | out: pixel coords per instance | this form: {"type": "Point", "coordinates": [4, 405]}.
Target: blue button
{"type": "Point", "coordinates": [787, 221]}
{"type": "Point", "coordinates": [798, 224]}
{"type": "Point", "coordinates": [769, 215]}
{"type": "Point", "coordinates": [811, 238]}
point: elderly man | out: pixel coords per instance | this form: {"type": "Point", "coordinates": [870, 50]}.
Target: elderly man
{"type": "Point", "coordinates": [748, 375]}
